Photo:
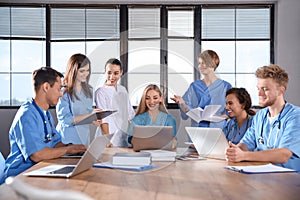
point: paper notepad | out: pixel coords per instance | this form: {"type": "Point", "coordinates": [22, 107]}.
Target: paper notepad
{"type": "Point", "coordinates": [259, 169]}
{"type": "Point", "coordinates": [206, 114]}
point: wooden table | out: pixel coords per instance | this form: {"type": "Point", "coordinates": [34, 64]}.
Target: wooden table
{"type": "Point", "coordinates": [202, 179]}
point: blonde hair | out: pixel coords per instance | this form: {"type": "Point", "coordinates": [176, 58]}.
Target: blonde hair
{"type": "Point", "coordinates": [210, 58]}
{"type": "Point", "coordinates": [143, 107]}
{"type": "Point", "coordinates": [274, 72]}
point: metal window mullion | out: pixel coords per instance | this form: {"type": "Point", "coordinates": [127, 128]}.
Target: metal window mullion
{"type": "Point", "coordinates": [164, 52]}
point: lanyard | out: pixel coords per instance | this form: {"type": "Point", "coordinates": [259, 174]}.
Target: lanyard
{"type": "Point", "coordinates": [47, 137]}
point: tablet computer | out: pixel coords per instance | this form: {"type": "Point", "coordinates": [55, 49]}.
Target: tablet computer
{"type": "Point", "coordinates": [94, 117]}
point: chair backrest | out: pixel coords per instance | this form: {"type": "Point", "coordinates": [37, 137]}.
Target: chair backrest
{"type": "Point", "coordinates": [23, 189]}
{"type": "Point", "coordinates": [2, 165]}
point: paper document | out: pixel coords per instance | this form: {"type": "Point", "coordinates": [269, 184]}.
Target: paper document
{"type": "Point", "coordinates": [259, 169]}
{"type": "Point", "coordinates": [208, 114]}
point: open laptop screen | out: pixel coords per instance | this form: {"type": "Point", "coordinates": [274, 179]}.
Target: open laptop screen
{"type": "Point", "coordinates": [209, 142]}
{"type": "Point", "coordinates": [152, 137]}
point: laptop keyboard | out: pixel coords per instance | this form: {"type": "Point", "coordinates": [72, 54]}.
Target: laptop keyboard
{"type": "Point", "coordinates": [64, 170]}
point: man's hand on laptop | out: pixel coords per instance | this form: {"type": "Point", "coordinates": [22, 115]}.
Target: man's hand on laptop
{"type": "Point", "coordinates": [75, 148]}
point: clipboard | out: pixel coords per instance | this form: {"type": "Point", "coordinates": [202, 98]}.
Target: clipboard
{"type": "Point", "coordinates": [94, 117]}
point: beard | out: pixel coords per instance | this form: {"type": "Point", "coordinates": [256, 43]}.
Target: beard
{"type": "Point", "coordinates": [268, 102]}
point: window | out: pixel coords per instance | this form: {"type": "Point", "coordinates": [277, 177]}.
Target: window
{"type": "Point", "coordinates": [157, 44]}
{"type": "Point", "coordinates": [22, 40]}
{"type": "Point", "coordinates": [241, 37]}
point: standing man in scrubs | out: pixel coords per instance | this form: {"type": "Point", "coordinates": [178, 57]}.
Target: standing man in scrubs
{"type": "Point", "coordinates": [32, 135]}
{"type": "Point", "coordinates": [274, 134]}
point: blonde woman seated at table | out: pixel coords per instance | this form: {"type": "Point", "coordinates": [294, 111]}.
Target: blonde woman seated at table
{"type": "Point", "coordinates": [152, 111]}
{"type": "Point", "coordinates": [238, 104]}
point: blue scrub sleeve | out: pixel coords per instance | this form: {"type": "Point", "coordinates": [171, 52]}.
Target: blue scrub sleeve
{"type": "Point", "coordinates": [63, 110]}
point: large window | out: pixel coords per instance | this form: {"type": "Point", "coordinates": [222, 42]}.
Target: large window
{"type": "Point", "coordinates": [157, 44]}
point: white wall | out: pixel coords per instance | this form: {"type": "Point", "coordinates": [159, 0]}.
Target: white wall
{"type": "Point", "coordinates": [287, 45]}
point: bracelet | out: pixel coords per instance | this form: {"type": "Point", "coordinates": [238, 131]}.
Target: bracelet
{"type": "Point", "coordinates": [69, 144]}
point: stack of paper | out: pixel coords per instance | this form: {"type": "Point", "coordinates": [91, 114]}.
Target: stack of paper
{"type": "Point", "coordinates": [208, 114]}
{"type": "Point", "coordinates": [257, 169]}
{"type": "Point", "coordinates": [161, 155]}
{"type": "Point", "coordinates": [131, 159]}
{"type": "Point", "coordinates": [128, 161]}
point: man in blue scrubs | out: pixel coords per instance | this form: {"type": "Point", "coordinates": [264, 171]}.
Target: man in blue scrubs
{"type": "Point", "coordinates": [274, 135]}
{"type": "Point", "coordinates": [32, 135]}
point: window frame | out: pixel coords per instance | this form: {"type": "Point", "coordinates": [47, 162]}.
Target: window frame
{"type": "Point", "coordinates": [123, 40]}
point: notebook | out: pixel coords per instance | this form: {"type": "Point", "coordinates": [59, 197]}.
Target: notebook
{"type": "Point", "coordinates": [152, 137]}
{"type": "Point", "coordinates": [94, 117]}
{"type": "Point", "coordinates": [209, 142]}
{"type": "Point", "coordinates": [89, 158]}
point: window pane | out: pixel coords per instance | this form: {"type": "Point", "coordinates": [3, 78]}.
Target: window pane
{"type": "Point", "coordinates": [230, 78]}
{"type": "Point", "coordinates": [5, 21]}
{"type": "Point", "coordinates": [97, 80]}
{"type": "Point", "coordinates": [102, 23]}
{"type": "Point", "coordinates": [27, 55]}
{"type": "Point", "coordinates": [100, 52]}
{"type": "Point", "coordinates": [253, 23]}
{"type": "Point", "coordinates": [226, 53]}
{"type": "Point", "coordinates": [4, 55]}
{"type": "Point", "coordinates": [181, 23]}
{"type": "Point", "coordinates": [218, 23]}
{"type": "Point", "coordinates": [67, 23]}
{"type": "Point", "coordinates": [251, 55]}
{"type": "Point", "coordinates": [249, 82]}
{"type": "Point", "coordinates": [62, 51]}
{"type": "Point", "coordinates": [4, 88]}
{"type": "Point", "coordinates": [144, 56]}
{"type": "Point", "coordinates": [21, 88]}
{"type": "Point", "coordinates": [29, 22]}
{"type": "Point", "coordinates": [138, 82]}
{"type": "Point", "coordinates": [144, 22]}
{"type": "Point", "coordinates": [181, 55]}
{"type": "Point", "coordinates": [178, 83]}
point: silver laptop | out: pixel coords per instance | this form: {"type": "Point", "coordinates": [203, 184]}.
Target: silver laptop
{"type": "Point", "coordinates": [90, 157]}
{"type": "Point", "coordinates": [209, 142]}
{"type": "Point", "coordinates": [152, 137]}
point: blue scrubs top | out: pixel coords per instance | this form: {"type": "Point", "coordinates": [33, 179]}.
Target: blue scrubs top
{"type": "Point", "coordinates": [144, 119]}
{"type": "Point", "coordinates": [27, 136]}
{"type": "Point", "coordinates": [199, 95]}
{"type": "Point", "coordinates": [282, 132]}
{"type": "Point", "coordinates": [233, 133]}
{"type": "Point", "coordinates": [66, 110]}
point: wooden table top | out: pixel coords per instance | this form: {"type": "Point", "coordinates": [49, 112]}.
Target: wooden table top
{"type": "Point", "coordinates": [200, 179]}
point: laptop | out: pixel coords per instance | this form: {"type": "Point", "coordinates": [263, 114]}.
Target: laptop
{"type": "Point", "coordinates": [209, 142]}
{"type": "Point", "coordinates": [152, 137]}
{"type": "Point", "coordinates": [89, 158]}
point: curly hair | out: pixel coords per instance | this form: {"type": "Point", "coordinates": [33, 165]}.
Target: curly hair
{"type": "Point", "coordinates": [274, 72]}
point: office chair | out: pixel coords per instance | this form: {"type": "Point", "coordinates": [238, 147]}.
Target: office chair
{"type": "Point", "coordinates": [32, 193]}
{"type": "Point", "coordinates": [2, 165]}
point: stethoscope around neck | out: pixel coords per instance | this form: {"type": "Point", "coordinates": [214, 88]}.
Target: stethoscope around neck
{"type": "Point", "coordinates": [278, 121]}
{"type": "Point", "coordinates": [47, 137]}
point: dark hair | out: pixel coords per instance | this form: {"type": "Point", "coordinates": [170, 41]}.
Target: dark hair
{"type": "Point", "coordinates": [75, 62]}
{"type": "Point", "coordinates": [44, 75]}
{"type": "Point", "coordinates": [114, 61]}
{"type": "Point", "coordinates": [244, 98]}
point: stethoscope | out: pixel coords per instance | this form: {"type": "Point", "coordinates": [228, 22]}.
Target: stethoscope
{"type": "Point", "coordinates": [278, 121]}
{"type": "Point", "coordinates": [48, 137]}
